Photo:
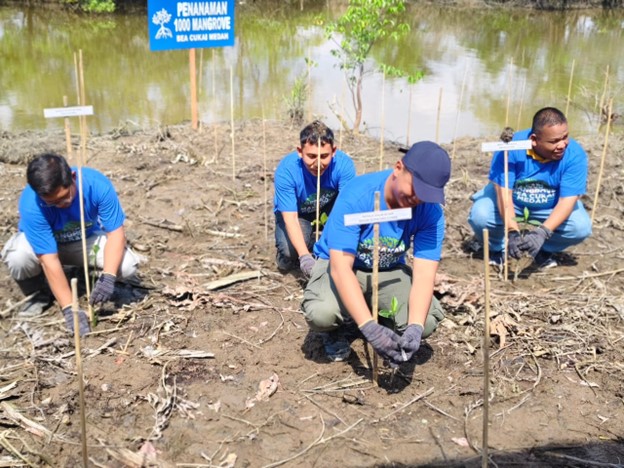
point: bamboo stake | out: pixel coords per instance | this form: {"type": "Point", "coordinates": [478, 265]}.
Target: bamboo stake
{"type": "Point", "coordinates": [201, 71]}
{"type": "Point", "coordinates": [67, 132]}
{"type": "Point", "coordinates": [506, 201]}
{"type": "Point", "coordinates": [193, 77]}
{"type": "Point", "coordinates": [232, 122]}
{"type": "Point", "coordinates": [264, 177]}
{"type": "Point", "coordinates": [409, 115]}
{"type": "Point", "coordinates": [486, 349]}
{"type": "Point", "coordinates": [381, 136]}
{"type": "Point", "coordinates": [459, 106]}
{"type": "Point", "coordinates": [521, 103]}
{"type": "Point", "coordinates": [83, 421]}
{"type": "Point", "coordinates": [570, 86]}
{"type": "Point", "coordinates": [214, 74]}
{"type": "Point", "coordinates": [81, 161]}
{"type": "Point", "coordinates": [437, 132]}
{"type": "Point", "coordinates": [602, 161]}
{"type": "Point", "coordinates": [318, 188]}
{"type": "Point", "coordinates": [375, 298]}
{"type": "Point", "coordinates": [309, 85]}
{"type": "Point", "coordinates": [603, 96]}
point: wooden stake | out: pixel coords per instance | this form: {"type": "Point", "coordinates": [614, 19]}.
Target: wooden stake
{"type": "Point", "coordinates": [506, 237]}
{"type": "Point", "coordinates": [193, 76]}
{"type": "Point", "coordinates": [602, 161]}
{"type": "Point", "coordinates": [309, 84]}
{"type": "Point", "coordinates": [506, 211]}
{"type": "Point", "coordinates": [518, 123]}
{"type": "Point", "coordinates": [318, 189]}
{"type": "Point", "coordinates": [437, 132]}
{"type": "Point", "coordinates": [459, 106]}
{"type": "Point", "coordinates": [409, 115]}
{"type": "Point", "coordinates": [603, 96]}
{"type": "Point", "coordinates": [83, 421]}
{"type": "Point", "coordinates": [201, 71]}
{"type": "Point", "coordinates": [570, 87]}
{"type": "Point", "coordinates": [486, 349]}
{"type": "Point", "coordinates": [264, 177]}
{"type": "Point", "coordinates": [214, 74]}
{"type": "Point", "coordinates": [81, 160]}
{"type": "Point", "coordinates": [232, 122]}
{"type": "Point", "coordinates": [375, 298]}
{"type": "Point", "coordinates": [381, 136]}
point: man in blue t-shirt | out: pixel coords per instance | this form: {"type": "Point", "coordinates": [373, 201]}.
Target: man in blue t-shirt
{"type": "Point", "coordinates": [340, 287]}
{"type": "Point", "coordinates": [548, 180]}
{"type": "Point", "coordinates": [295, 200]}
{"type": "Point", "coordinates": [50, 236]}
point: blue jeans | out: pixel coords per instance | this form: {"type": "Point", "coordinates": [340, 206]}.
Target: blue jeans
{"type": "Point", "coordinates": [484, 214]}
{"type": "Point", "coordinates": [286, 255]}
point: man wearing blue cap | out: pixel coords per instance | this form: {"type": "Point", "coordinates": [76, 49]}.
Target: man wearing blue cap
{"type": "Point", "coordinates": [340, 287]}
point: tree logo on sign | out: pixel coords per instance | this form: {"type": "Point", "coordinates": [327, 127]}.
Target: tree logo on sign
{"type": "Point", "coordinates": [160, 19]}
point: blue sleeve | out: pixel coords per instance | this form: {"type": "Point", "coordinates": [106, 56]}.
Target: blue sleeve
{"type": "Point", "coordinates": [286, 180]}
{"type": "Point", "coordinates": [346, 169]}
{"type": "Point", "coordinates": [34, 225]}
{"type": "Point", "coordinates": [429, 235]}
{"type": "Point", "coordinates": [574, 177]}
{"type": "Point", "coordinates": [105, 201]}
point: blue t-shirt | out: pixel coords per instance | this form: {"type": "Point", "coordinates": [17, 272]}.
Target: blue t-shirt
{"type": "Point", "coordinates": [295, 186]}
{"type": "Point", "coordinates": [425, 230]}
{"type": "Point", "coordinates": [539, 185]}
{"type": "Point", "coordinates": [45, 226]}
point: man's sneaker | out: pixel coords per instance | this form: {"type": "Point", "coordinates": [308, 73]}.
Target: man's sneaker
{"type": "Point", "coordinates": [37, 305]}
{"type": "Point", "coordinates": [545, 260]}
{"type": "Point", "coordinates": [336, 345]}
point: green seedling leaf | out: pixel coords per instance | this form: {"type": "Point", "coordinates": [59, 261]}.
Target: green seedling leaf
{"type": "Point", "coordinates": [526, 214]}
{"type": "Point", "coordinates": [322, 221]}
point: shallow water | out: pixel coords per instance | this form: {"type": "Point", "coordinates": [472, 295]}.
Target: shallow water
{"type": "Point", "coordinates": [488, 66]}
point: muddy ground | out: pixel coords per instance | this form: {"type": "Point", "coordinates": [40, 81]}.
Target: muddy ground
{"type": "Point", "coordinates": [172, 368]}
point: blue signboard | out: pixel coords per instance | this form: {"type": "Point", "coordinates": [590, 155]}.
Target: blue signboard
{"type": "Point", "coordinates": [174, 24]}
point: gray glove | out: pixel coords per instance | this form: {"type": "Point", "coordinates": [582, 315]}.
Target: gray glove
{"type": "Point", "coordinates": [104, 288]}
{"type": "Point", "coordinates": [534, 240]}
{"type": "Point", "coordinates": [83, 321]}
{"type": "Point", "coordinates": [384, 341]}
{"type": "Point", "coordinates": [306, 263]}
{"type": "Point", "coordinates": [410, 341]}
{"type": "Point", "coordinates": [513, 244]}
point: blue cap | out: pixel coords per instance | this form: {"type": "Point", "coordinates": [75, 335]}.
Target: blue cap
{"type": "Point", "coordinates": [430, 167]}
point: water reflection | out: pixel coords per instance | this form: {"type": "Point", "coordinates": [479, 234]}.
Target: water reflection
{"type": "Point", "coordinates": [477, 60]}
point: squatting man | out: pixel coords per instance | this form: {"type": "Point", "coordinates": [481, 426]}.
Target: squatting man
{"type": "Point", "coordinates": [49, 236]}
{"type": "Point", "coordinates": [339, 290]}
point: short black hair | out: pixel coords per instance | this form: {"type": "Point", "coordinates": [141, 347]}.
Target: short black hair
{"type": "Point", "coordinates": [47, 172]}
{"type": "Point", "coordinates": [316, 131]}
{"type": "Point", "coordinates": [547, 117]}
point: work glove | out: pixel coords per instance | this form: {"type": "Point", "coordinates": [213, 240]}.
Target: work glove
{"type": "Point", "coordinates": [83, 321]}
{"type": "Point", "coordinates": [534, 240]}
{"type": "Point", "coordinates": [384, 341]}
{"type": "Point", "coordinates": [513, 244]}
{"type": "Point", "coordinates": [306, 263]}
{"type": "Point", "coordinates": [410, 341]}
{"type": "Point", "coordinates": [104, 288]}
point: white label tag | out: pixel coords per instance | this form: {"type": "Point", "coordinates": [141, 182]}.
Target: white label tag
{"type": "Point", "coordinates": [377, 216]}
{"type": "Point", "coordinates": [75, 111]}
{"type": "Point", "coordinates": [502, 146]}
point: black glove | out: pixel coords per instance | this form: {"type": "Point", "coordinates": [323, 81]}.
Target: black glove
{"type": "Point", "coordinates": [83, 321]}
{"type": "Point", "coordinates": [384, 341]}
{"type": "Point", "coordinates": [306, 263]}
{"type": "Point", "coordinates": [410, 341]}
{"type": "Point", "coordinates": [534, 240]}
{"type": "Point", "coordinates": [104, 288]}
{"type": "Point", "coordinates": [513, 244]}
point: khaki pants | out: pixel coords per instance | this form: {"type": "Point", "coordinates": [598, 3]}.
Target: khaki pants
{"type": "Point", "coordinates": [22, 262]}
{"type": "Point", "coordinates": [324, 310]}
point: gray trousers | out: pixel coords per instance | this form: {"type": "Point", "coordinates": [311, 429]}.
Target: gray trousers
{"type": "Point", "coordinates": [23, 264]}
{"type": "Point", "coordinates": [324, 310]}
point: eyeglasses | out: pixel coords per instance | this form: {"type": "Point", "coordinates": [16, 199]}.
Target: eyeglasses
{"type": "Point", "coordinates": [63, 200]}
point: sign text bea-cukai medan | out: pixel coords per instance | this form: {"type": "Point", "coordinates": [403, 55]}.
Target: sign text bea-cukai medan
{"type": "Point", "coordinates": [202, 8]}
